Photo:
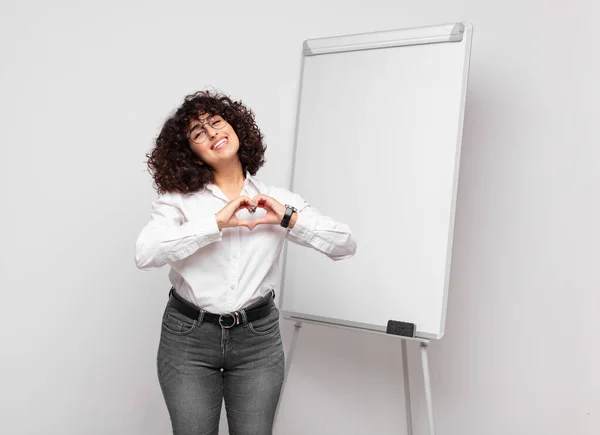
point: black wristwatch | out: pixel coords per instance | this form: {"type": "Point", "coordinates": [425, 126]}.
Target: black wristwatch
{"type": "Point", "coordinates": [289, 210]}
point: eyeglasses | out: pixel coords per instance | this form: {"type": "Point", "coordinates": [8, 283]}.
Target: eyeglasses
{"type": "Point", "coordinates": [198, 134]}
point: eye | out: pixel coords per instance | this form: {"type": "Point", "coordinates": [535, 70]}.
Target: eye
{"type": "Point", "coordinates": [216, 122]}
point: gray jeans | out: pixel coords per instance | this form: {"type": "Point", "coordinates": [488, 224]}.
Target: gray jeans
{"type": "Point", "coordinates": [199, 364]}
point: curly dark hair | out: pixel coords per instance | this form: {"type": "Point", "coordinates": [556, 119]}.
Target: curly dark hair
{"type": "Point", "coordinates": [173, 164]}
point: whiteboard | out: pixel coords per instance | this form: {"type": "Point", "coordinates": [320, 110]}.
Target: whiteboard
{"type": "Point", "coordinates": [377, 147]}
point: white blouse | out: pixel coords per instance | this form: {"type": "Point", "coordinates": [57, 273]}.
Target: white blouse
{"type": "Point", "coordinates": [224, 271]}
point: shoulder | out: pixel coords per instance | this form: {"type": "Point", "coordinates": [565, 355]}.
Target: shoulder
{"type": "Point", "coordinates": [171, 198]}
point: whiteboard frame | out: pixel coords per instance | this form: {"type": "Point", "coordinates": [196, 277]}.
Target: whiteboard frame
{"type": "Point", "coordinates": [445, 33]}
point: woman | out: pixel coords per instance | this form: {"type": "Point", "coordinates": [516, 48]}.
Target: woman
{"type": "Point", "coordinates": [221, 230]}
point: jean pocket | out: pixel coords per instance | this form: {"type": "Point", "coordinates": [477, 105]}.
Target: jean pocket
{"type": "Point", "coordinates": [176, 323]}
{"type": "Point", "coordinates": [267, 324]}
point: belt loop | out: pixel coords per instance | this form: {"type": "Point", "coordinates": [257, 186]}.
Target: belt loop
{"type": "Point", "coordinates": [201, 317]}
{"type": "Point", "coordinates": [244, 318]}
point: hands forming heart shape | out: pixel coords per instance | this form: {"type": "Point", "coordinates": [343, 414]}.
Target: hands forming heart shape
{"type": "Point", "coordinates": [226, 218]}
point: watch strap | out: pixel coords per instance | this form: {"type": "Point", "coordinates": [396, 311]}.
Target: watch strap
{"type": "Point", "coordinates": [289, 210]}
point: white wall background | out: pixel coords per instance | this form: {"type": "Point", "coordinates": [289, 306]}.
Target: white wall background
{"type": "Point", "coordinates": [85, 87]}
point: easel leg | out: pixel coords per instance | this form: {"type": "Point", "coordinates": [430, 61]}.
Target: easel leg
{"type": "Point", "coordinates": [406, 379]}
{"type": "Point", "coordinates": [427, 380]}
{"type": "Point", "coordinates": [288, 363]}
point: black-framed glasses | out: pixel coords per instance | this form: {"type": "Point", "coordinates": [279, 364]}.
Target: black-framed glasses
{"type": "Point", "coordinates": [198, 133]}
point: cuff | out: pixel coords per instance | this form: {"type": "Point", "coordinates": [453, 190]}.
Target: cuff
{"type": "Point", "coordinates": [302, 228]}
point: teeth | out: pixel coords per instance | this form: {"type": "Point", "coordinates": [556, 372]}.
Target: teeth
{"type": "Point", "coordinates": [219, 144]}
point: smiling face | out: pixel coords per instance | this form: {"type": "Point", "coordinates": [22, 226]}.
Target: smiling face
{"type": "Point", "coordinates": [213, 139]}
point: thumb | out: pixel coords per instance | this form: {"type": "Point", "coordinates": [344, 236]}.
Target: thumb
{"type": "Point", "coordinates": [245, 223]}
{"type": "Point", "coordinates": [261, 220]}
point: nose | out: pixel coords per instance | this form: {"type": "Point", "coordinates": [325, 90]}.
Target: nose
{"type": "Point", "coordinates": [211, 131]}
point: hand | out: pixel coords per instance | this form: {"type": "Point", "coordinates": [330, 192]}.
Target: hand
{"type": "Point", "coordinates": [275, 211]}
{"type": "Point", "coordinates": [226, 217]}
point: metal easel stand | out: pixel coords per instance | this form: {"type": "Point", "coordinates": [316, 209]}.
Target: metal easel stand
{"type": "Point", "coordinates": [424, 343]}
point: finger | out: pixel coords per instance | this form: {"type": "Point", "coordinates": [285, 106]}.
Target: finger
{"type": "Point", "coordinates": [268, 203]}
{"type": "Point", "coordinates": [244, 202]}
{"type": "Point", "coordinates": [259, 221]}
{"type": "Point", "coordinates": [244, 223]}
{"type": "Point", "coordinates": [262, 200]}
{"type": "Point", "coordinates": [241, 206]}
{"type": "Point", "coordinates": [251, 206]}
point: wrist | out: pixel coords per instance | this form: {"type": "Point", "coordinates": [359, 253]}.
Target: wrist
{"type": "Point", "coordinates": [293, 220]}
{"type": "Point", "coordinates": [219, 223]}
{"type": "Point", "coordinates": [281, 213]}
{"type": "Point", "coordinates": [286, 220]}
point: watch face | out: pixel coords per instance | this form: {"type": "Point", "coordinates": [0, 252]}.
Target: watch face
{"type": "Point", "coordinates": [289, 210]}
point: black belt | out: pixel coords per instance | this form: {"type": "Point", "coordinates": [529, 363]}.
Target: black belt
{"type": "Point", "coordinates": [225, 320]}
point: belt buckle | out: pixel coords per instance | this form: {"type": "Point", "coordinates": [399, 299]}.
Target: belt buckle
{"type": "Point", "coordinates": [226, 326]}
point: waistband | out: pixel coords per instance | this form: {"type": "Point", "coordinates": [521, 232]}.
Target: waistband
{"type": "Point", "coordinates": [255, 311]}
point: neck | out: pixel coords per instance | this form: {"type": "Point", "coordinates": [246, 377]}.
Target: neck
{"type": "Point", "coordinates": [230, 177]}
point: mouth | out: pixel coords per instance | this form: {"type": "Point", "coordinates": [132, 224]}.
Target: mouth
{"type": "Point", "coordinates": [220, 144]}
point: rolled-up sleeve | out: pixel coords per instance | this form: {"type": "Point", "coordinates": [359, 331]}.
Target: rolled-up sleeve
{"type": "Point", "coordinates": [168, 237]}
{"type": "Point", "coordinates": [326, 235]}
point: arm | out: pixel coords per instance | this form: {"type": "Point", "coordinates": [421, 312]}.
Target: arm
{"type": "Point", "coordinates": [312, 229]}
{"type": "Point", "coordinates": [167, 238]}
